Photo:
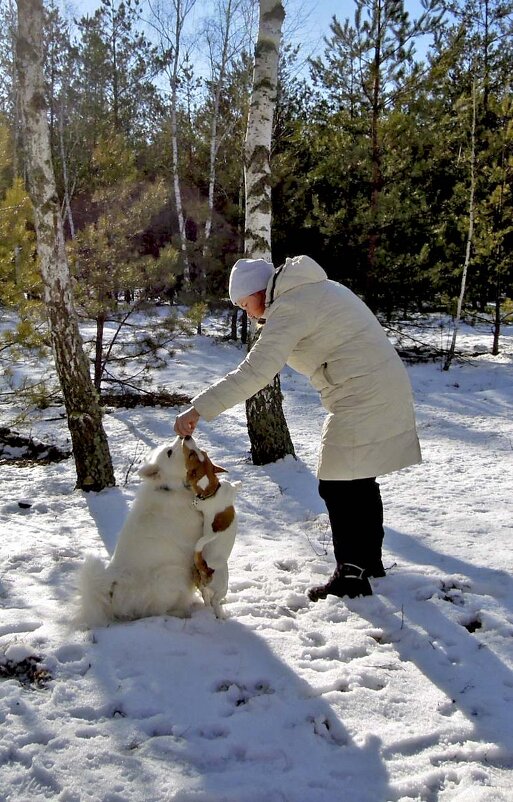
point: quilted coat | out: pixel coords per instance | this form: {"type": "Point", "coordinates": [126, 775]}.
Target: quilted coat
{"type": "Point", "coordinates": [323, 330]}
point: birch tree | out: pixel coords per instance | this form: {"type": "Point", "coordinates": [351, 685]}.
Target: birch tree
{"type": "Point", "coordinates": [267, 427]}
{"type": "Point", "coordinates": [90, 447]}
{"type": "Point", "coordinates": [59, 71]}
{"type": "Point", "coordinates": [470, 232]}
{"type": "Point", "coordinates": [225, 39]}
{"type": "Point", "coordinates": [169, 28]}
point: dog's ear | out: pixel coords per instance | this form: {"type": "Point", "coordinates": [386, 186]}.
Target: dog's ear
{"type": "Point", "coordinates": [191, 457]}
{"type": "Point", "coordinates": [149, 470]}
{"type": "Point", "coordinates": [218, 469]}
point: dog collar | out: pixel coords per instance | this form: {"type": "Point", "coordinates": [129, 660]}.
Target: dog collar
{"type": "Point", "coordinates": [210, 495]}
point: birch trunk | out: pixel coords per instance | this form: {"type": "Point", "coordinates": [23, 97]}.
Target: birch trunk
{"type": "Point", "coordinates": [176, 187]}
{"type": "Point", "coordinates": [90, 447]}
{"type": "Point", "coordinates": [470, 234]}
{"type": "Point", "coordinates": [215, 118]}
{"type": "Point", "coordinates": [65, 177]}
{"type": "Point", "coordinates": [179, 21]}
{"type": "Point", "coordinates": [267, 428]}
{"type": "Point", "coordinates": [168, 19]}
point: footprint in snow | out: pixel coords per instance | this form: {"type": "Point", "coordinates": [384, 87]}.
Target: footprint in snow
{"type": "Point", "coordinates": [472, 623]}
{"type": "Point", "coordinates": [449, 589]}
{"type": "Point", "coordinates": [69, 653]}
{"type": "Point", "coordinates": [370, 681]}
{"type": "Point", "coordinates": [328, 730]}
{"type": "Point", "coordinates": [287, 565]}
{"type": "Point", "coordinates": [324, 652]}
{"type": "Point", "coordinates": [212, 733]}
{"type": "Point", "coordinates": [239, 694]}
{"type": "Point", "coordinates": [313, 638]}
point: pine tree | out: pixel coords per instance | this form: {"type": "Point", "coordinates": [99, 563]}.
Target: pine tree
{"type": "Point", "coordinates": [106, 254]}
{"type": "Point", "coordinates": [369, 69]}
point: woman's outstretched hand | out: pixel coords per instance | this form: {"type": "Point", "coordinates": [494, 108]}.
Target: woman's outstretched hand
{"type": "Point", "coordinates": [186, 422]}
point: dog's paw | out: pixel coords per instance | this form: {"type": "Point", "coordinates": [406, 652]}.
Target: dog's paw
{"type": "Point", "coordinates": [219, 613]}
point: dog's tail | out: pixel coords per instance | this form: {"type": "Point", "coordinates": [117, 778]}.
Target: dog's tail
{"type": "Point", "coordinates": [94, 594]}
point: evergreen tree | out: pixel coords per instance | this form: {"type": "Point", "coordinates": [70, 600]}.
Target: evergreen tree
{"type": "Point", "coordinates": [20, 283]}
{"type": "Point", "coordinates": [113, 274]}
{"type": "Point", "coordinates": [116, 69]}
{"type": "Point", "coordinates": [367, 72]}
{"type": "Point", "coordinates": [475, 48]}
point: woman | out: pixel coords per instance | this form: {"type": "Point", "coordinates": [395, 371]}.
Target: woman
{"type": "Point", "coordinates": [323, 330]}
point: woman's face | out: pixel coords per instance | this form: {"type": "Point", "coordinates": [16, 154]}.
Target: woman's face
{"type": "Point", "coordinates": [253, 304]}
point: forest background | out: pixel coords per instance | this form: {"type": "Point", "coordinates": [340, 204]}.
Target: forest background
{"type": "Point", "coordinates": [390, 146]}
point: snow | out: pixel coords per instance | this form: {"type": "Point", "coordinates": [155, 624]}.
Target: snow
{"type": "Point", "coordinates": [405, 696]}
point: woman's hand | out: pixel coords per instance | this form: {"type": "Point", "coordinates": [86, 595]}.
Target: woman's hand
{"type": "Point", "coordinates": [186, 422]}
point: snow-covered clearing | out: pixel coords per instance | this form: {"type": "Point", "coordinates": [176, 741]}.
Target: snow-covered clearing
{"type": "Point", "coordinates": [405, 696]}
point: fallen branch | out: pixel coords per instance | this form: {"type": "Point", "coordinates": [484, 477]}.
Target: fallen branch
{"type": "Point", "coordinates": [143, 398]}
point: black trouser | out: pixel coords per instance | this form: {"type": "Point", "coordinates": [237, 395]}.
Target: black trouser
{"type": "Point", "coordinates": [355, 511]}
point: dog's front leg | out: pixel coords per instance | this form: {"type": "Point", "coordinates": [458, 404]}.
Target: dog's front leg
{"type": "Point", "coordinates": [203, 570]}
{"type": "Point", "coordinates": [218, 610]}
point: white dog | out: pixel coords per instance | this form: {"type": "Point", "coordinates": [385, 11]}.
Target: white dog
{"type": "Point", "coordinates": [152, 569]}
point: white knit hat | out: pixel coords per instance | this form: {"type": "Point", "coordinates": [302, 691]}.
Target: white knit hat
{"type": "Point", "coordinates": [249, 276]}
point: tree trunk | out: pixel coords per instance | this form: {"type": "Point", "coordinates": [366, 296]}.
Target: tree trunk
{"type": "Point", "coordinates": [233, 324]}
{"type": "Point", "coordinates": [65, 178]}
{"type": "Point", "coordinates": [174, 144]}
{"type": "Point", "coordinates": [470, 234]}
{"type": "Point", "coordinates": [215, 119]}
{"type": "Point", "coordinates": [267, 428]}
{"type": "Point", "coordinates": [177, 189]}
{"type": "Point", "coordinates": [377, 175]}
{"type": "Point", "coordinates": [497, 320]}
{"type": "Point", "coordinates": [90, 447]}
{"type": "Point", "coordinates": [244, 328]}
{"type": "Point", "coordinates": [98, 352]}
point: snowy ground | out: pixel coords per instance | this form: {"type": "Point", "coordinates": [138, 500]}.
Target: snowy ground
{"type": "Point", "coordinates": [405, 696]}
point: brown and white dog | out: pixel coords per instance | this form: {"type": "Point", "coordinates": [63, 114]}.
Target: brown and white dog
{"type": "Point", "coordinates": [215, 499]}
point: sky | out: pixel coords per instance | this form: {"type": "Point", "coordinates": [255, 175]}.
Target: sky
{"type": "Point", "coordinates": [317, 16]}
{"type": "Point", "coordinates": [314, 18]}
{"type": "Point", "coordinates": [403, 696]}
{"type": "Point", "coordinates": [307, 23]}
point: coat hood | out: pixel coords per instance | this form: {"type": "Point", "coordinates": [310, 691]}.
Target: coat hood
{"type": "Point", "coordinates": [296, 272]}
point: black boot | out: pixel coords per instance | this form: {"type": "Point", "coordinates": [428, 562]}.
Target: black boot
{"type": "Point", "coordinates": [348, 580]}
{"type": "Point", "coordinates": [375, 569]}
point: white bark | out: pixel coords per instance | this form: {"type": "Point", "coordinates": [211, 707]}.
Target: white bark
{"type": "Point", "coordinates": [215, 116]}
{"type": "Point", "coordinates": [267, 427]}
{"type": "Point", "coordinates": [174, 150]}
{"type": "Point", "coordinates": [257, 149]}
{"type": "Point", "coordinates": [170, 32]}
{"type": "Point", "coordinates": [91, 452]}
{"type": "Point", "coordinates": [470, 233]}
{"type": "Point", "coordinates": [230, 34]}
{"type": "Point", "coordinates": [65, 177]}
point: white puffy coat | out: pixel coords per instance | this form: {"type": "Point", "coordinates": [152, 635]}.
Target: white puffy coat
{"type": "Point", "coordinates": [323, 330]}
